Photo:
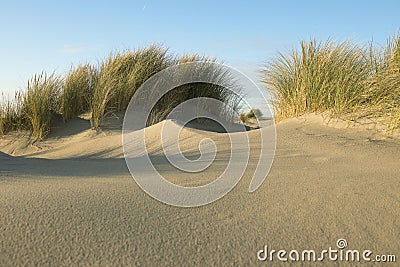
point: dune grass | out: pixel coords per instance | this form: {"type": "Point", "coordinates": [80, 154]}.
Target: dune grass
{"type": "Point", "coordinates": [41, 101]}
{"type": "Point", "coordinates": [205, 68]}
{"type": "Point", "coordinates": [11, 117]}
{"type": "Point", "coordinates": [383, 94]}
{"type": "Point", "coordinates": [320, 77]}
{"type": "Point", "coordinates": [121, 75]}
{"type": "Point", "coordinates": [340, 78]}
{"type": "Point", "coordinates": [112, 82]}
{"type": "Point", "coordinates": [78, 90]}
{"type": "Point", "coordinates": [104, 89]}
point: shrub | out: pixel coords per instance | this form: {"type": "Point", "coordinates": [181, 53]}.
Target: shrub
{"type": "Point", "coordinates": [243, 117]}
{"type": "Point", "coordinates": [254, 113]}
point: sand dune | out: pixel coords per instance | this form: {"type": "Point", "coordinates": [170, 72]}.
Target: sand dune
{"type": "Point", "coordinates": [70, 200]}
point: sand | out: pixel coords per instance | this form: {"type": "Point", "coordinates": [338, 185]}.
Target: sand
{"type": "Point", "coordinates": [71, 201]}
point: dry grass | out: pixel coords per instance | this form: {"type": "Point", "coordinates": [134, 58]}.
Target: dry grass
{"type": "Point", "coordinates": [78, 90]}
{"type": "Point", "coordinates": [205, 69]}
{"type": "Point", "coordinates": [40, 101]}
{"type": "Point", "coordinates": [383, 92]}
{"type": "Point", "coordinates": [109, 88]}
{"type": "Point", "coordinates": [342, 79]}
{"type": "Point", "coordinates": [121, 75]}
{"type": "Point", "coordinates": [320, 77]}
{"type": "Point", "coordinates": [11, 114]}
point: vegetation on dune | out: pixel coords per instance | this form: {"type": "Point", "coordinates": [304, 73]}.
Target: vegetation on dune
{"type": "Point", "coordinates": [11, 117]}
{"type": "Point", "coordinates": [40, 101]}
{"type": "Point", "coordinates": [252, 114]}
{"type": "Point", "coordinates": [220, 79]}
{"type": "Point", "coordinates": [104, 89]}
{"type": "Point", "coordinates": [78, 90]}
{"type": "Point", "coordinates": [383, 90]}
{"type": "Point", "coordinates": [121, 75]}
{"type": "Point", "coordinates": [340, 78]}
{"type": "Point", "coordinates": [320, 77]}
{"type": "Point", "coordinates": [343, 79]}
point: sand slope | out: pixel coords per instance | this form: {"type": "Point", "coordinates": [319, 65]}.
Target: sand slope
{"type": "Point", "coordinates": [72, 201]}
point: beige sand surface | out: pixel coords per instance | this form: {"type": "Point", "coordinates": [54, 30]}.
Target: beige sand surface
{"type": "Point", "coordinates": [70, 200]}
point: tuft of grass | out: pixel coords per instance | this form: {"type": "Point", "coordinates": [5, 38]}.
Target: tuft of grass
{"type": "Point", "coordinates": [40, 101]}
{"type": "Point", "coordinates": [109, 88]}
{"type": "Point", "coordinates": [121, 75]}
{"type": "Point", "coordinates": [219, 88]}
{"type": "Point", "coordinates": [78, 91]}
{"type": "Point", "coordinates": [11, 114]}
{"type": "Point", "coordinates": [112, 77]}
{"type": "Point", "coordinates": [383, 94]}
{"type": "Point", "coordinates": [325, 76]}
{"type": "Point", "coordinates": [148, 61]}
{"type": "Point", "coordinates": [342, 79]}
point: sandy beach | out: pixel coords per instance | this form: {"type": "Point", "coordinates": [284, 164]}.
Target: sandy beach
{"type": "Point", "coordinates": [73, 202]}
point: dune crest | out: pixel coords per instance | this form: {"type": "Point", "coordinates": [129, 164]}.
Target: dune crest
{"type": "Point", "coordinates": [75, 139]}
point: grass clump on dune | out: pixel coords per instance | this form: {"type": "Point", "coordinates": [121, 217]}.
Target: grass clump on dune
{"type": "Point", "coordinates": [77, 91]}
{"type": "Point", "coordinates": [204, 69]}
{"type": "Point", "coordinates": [383, 93]}
{"type": "Point", "coordinates": [121, 75]}
{"type": "Point", "coordinates": [105, 89]}
{"type": "Point", "coordinates": [11, 114]}
{"type": "Point", "coordinates": [40, 101]}
{"type": "Point", "coordinates": [342, 79]}
{"type": "Point", "coordinates": [320, 77]}
{"type": "Point", "coordinates": [253, 114]}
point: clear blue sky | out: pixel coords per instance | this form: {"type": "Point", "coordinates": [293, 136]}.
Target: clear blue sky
{"type": "Point", "coordinates": [53, 35]}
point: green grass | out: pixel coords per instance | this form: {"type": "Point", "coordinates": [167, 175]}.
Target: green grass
{"type": "Point", "coordinates": [383, 94]}
{"type": "Point", "coordinates": [109, 88]}
{"type": "Point", "coordinates": [40, 101]}
{"type": "Point", "coordinates": [340, 78]}
{"type": "Point", "coordinates": [121, 75]}
{"type": "Point", "coordinates": [220, 78]}
{"type": "Point", "coordinates": [319, 77]}
{"type": "Point", "coordinates": [11, 117]}
{"type": "Point", "coordinates": [77, 91]}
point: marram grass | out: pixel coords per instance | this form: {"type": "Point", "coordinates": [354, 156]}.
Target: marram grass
{"type": "Point", "coordinates": [77, 91]}
{"type": "Point", "coordinates": [319, 77]}
{"type": "Point", "coordinates": [11, 113]}
{"type": "Point", "coordinates": [120, 75]}
{"type": "Point", "coordinates": [340, 78]}
{"type": "Point", "coordinates": [383, 91]}
{"type": "Point", "coordinates": [40, 101]}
